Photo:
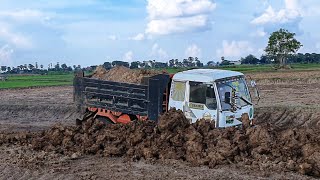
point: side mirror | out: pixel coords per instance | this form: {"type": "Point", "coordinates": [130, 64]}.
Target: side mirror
{"type": "Point", "coordinates": [253, 83]}
{"type": "Point", "coordinates": [227, 97]}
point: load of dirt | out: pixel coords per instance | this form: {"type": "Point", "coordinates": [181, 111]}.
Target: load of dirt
{"type": "Point", "coordinates": [260, 147]}
{"type": "Point", "coordinates": [123, 74]}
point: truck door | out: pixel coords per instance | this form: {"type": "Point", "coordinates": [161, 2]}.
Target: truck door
{"type": "Point", "coordinates": [202, 102]}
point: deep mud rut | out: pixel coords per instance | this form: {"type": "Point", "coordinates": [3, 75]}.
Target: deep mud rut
{"type": "Point", "coordinates": [32, 155]}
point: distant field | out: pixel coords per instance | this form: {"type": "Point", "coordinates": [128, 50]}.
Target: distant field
{"type": "Point", "coordinates": [58, 79]}
{"type": "Point", "coordinates": [268, 68]}
{"type": "Point", "coordinates": [23, 81]}
{"type": "Point", "coordinates": [255, 68]}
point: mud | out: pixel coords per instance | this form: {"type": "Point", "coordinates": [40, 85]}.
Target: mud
{"type": "Point", "coordinates": [288, 117]}
{"type": "Point", "coordinates": [36, 109]}
{"type": "Point", "coordinates": [123, 74]}
{"type": "Point", "coordinates": [260, 147]}
{"type": "Point", "coordinates": [283, 145]}
{"type": "Point", "coordinates": [21, 162]}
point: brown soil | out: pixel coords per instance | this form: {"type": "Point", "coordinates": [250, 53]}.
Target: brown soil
{"type": "Point", "coordinates": [284, 144]}
{"type": "Point", "coordinates": [36, 109]}
{"type": "Point", "coordinates": [261, 147]}
{"type": "Point", "coordinates": [289, 117]}
{"type": "Point", "coordinates": [280, 77]}
{"type": "Point", "coordinates": [21, 162]}
{"type": "Point", "coordinates": [123, 74]}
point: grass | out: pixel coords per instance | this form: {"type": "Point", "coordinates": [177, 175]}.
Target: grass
{"type": "Point", "coordinates": [311, 66]}
{"type": "Point", "coordinates": [24, 81]}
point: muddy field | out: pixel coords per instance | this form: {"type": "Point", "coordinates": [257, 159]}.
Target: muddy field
{"type": "Point", "coordinates": [36, 109]}
{"type": "Point", "coordinates": [289, 99]}
{"type": "Point", "coordinates": [290, 103]}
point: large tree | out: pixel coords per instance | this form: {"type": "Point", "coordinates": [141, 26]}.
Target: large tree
{"type": "Point", "coordinates": [281, 44]}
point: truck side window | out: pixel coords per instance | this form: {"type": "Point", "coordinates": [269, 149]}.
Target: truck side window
{"type": "Point", "coordinates": [178, 90]}
{"type": "Point", "coordinates": [203, 94]}
{"type": "Point", "coordinates": [211, 100]}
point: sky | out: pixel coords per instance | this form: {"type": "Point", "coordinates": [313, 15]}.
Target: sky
{"type": "Point", "coordinates": [90, 32]}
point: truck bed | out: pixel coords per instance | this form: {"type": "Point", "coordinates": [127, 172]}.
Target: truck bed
{"type": "Point", "coordinates": [137, 99]}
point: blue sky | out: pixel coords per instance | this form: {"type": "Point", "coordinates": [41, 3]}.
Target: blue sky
{"type": "Point", "coordinates": [88, 32]}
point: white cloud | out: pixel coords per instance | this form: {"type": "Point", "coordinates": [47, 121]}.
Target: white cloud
{"type": "Point", "coordinates": [288, 17]}
{"type": "Point", "coordinates": [16, 39]}
{"type": "Point", "coordinates": [177, 16]}
{"type": "Point", "coordinates": [289, 14]}
{"type": "Point", "coordinates": [5, 55]}
{"type": "Point", "coordinates": [158, 53]}
{"type": "Point", "coordinates": [234, 49]}
{"type": "Point", "coordinates": [292, 4]}
{"type": "Point", "coordinates": [177, 25]}
{"type": "Point", "coordinates": [128, 56]}
{"type": "Point", "coordinates": [175, 8]}
{"type": "Point", "coordinates": [138, 37]}
{"type": "Point", "coordinates": [259, 33]}
{"type": "Point", "coordinates": [112, 37]}
{"type": "Point", "coordinates": [11, 30]}
{"type": "Point", "coordinates": [193, 51]}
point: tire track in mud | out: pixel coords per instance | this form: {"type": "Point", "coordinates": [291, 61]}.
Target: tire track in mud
{"type": "Point", "coordinates": [34, 117]}
{"type": "Point", "coordinates": [289, 117]}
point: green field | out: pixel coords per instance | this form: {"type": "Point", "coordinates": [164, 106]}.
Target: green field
{"type": "Point", "coordinates": [256, 68]}
{"type": "Point", "coordinates": [58, 79]}
{"type": "Point", "coordinates": [23, 81]}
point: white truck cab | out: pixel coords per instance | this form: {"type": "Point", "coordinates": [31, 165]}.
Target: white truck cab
{"type": "Point", "coordinates": [218, 95]}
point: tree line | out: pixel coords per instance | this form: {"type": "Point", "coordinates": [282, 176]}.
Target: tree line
{"type": "Point", "coordinates": [172, 63]}
{"type": "Point", "coordinates": [281, 49]}
{"type": "Point", "coordinates": [38, 69]}
{"type": "Point", "coordinates": [294, 58]}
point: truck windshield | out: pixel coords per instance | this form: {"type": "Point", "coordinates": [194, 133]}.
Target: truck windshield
{"type": "Point", "coordinates": [239, 84]}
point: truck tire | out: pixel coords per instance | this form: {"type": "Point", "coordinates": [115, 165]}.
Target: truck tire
{"type": "Point", "coordinates": [105, 120]}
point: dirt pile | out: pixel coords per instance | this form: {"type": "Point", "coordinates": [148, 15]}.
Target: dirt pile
{"type": "Point", "coordinates": [21, 138]}
{"type": "Point", "coordinates": [260, 147]}
{"type": "Point", "coordinates": [123, 74]}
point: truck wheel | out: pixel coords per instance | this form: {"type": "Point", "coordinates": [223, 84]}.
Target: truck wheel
{"type": "Point", "coordinates": [105, 120]}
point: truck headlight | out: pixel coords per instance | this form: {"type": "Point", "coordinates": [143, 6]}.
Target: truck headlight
{"type": "Point", "coordinates": [189, 114]}
{"type": "Point", "coordinates": [207, 116]}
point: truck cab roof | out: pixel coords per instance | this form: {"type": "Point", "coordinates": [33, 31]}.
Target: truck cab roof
{"type": "Point", "coordinates": [205, 75]}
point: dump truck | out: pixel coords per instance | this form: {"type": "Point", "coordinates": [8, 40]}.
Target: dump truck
{"type": "Point", "coordinates": [221, 96]}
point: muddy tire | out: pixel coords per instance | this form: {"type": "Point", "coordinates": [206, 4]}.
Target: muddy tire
{"type": "Point", "coordinates": [105, 120]}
